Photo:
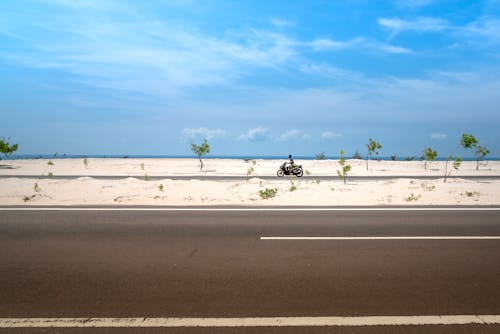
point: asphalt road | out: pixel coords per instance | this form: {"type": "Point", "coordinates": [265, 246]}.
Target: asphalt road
{"type": "Point", "coordinates": [213, 264]}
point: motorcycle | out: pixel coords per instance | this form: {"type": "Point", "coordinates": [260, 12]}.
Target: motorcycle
{"type": "Point", "coordinates": [289, 170]}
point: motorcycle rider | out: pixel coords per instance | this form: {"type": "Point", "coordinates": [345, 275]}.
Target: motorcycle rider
{"type": "Point", "coordinates": [292, 163]}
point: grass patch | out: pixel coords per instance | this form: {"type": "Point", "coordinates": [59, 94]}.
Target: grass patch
{"type": "Point", "coordinates": [268, 193]}
{"type": "Point", "coordinates": [412, 198]}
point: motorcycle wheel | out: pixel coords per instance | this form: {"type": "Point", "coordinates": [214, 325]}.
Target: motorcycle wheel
{"type": "Point", "coordinates": [300, 173]}
{"type": "Point", "coordinates": [280, 173]}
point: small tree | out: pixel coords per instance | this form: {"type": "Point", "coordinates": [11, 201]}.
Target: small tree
{"type": "Point", "coordinates": [201, 150]}
{"type": "Point", "coordinates": [342, 173]}
{"type": "Point", "coordinates": [6, 148]}
{"type": "Point", "coordinates": [481, 152]}
{"type": "Point", "coordinates": [429, 155]}
{"type": "Point", "coordinates": [468, 141]}
{"type": "Point", "coordinates": [372, 147]}
{"type": "Point", "coordinates": [456, 165]}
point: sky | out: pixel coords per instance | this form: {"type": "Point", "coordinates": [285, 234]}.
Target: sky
{"type": "Point", "coordinates": [253, 77]}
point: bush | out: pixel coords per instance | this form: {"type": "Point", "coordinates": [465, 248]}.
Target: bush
{"type": "Point", "coordinates": [321, 156]}
{"type": "Point", "coordinates": [268, 193]}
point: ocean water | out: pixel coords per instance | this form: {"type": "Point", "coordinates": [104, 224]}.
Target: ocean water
{"type": "Point", "coordinates": [240, 157]}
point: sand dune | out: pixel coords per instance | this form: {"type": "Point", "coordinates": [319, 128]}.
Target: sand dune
{"type": "Point", "coordinates": [86, 190]}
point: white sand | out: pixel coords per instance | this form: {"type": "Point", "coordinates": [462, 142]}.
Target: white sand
{"type": "Point", "coordinates": [136, 191]}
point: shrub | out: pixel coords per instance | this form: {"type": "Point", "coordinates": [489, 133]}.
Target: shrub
{"type": "Point", "coordinates": [372, 147]}
{"type": "Point", "coordinates": [268, 193]}
{"type": "Point", "coordinates": [50, 163]}
{"type": "Point", "coordinates": [6, 148]}
{"type": "Point", "coordinates": [412, 197]}
{"type": "Point", "coordinates": [429, 155]}
{"type": "Point", "coordinates": [321, 156]}
{"type": "Point", "coordinates": [342, 173]}
{"type": "Point", "coordinates": [456, 164]}
{"type": "Point", "coordinates": [357, 155]}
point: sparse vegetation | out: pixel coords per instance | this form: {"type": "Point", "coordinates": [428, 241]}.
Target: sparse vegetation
{"type": "Point", "coordinates": [342, 173]}
{"type": "Point", "coordinates": [50, 163]}
{"type": "Point", "coordinates": [293, 187]}
{"type": "Point", "coordinates": [471, 193]}
{"type": "Point", "coordinates": [268, 193]}
{"type": "Point", "coordinates": [427, 187]}
{"type": "Point", "coordinates": [456, 164]}
{"type": "Point", "coordinates": [307, 172]}
{"type": "Point", "coordinates": [372, 147]}
{"type": "Point", "coordinates": [86, 162]}
{"type": "Point", "coordinates": [161, 187]}
{"type": "Point", "coordinates": [200, 151]}
{"type": "Point", "coordinates": [146, 177]}
{"type": "Point", "coordinates": [49, 174]}
{"type": "Point", "coordinates": [7, 148]}
{"type": "Point", "coordinates": [357, 155]}
{"type": "Point", "coordinates": [27, 198]}
{"type": "Point", "coordinates": [321, 156]}
{"type": "Point", "coordinates": [481, 152]}
{"type": "Point", "coordinates": [429, 155]}
{"type": "Point", "coordinates": [36, 187]}
{"type": "Point", "coordinates": [468, 141]}
{"type": "Point", "coordinates": [410, 158]}
{"type": "Point", "coordinates": [142, 166]}
{"type": "Point", "coordinates": [412, 198]}
{"type": "Point", "coordinates": [250, 171]}
{"type": "Point", "coordinates": [394, 157]}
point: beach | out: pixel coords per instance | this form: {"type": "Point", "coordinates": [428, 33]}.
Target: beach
{"type": "Point", "coordinates": [157, 182]}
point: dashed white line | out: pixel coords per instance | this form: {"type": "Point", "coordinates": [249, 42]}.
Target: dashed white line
{"type": "Point", "coordinates": [483, 237]}
{"type": "Point", "coordinates": [250, 322]}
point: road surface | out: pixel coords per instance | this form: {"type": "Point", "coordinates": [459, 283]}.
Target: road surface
{"type": "Point", "coordinates": [219, 265]}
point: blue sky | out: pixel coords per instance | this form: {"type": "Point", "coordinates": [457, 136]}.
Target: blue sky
{"type": "Point", "coordinates": [254, 77]}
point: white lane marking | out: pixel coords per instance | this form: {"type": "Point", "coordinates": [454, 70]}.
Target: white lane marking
{"type": "Point", "coordinates": [250, 322]}
{"type": "Point", "coordinates": [482, 237]}
{"type": "Point", "coordinates": [245, 209]}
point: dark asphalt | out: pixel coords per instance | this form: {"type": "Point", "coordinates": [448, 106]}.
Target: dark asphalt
{"type": "Point", "coordinates": [212, 264]}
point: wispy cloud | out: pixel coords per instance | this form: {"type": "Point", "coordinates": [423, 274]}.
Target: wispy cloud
{"type": "Point", "coordinates": [204, 133]}
{"type": "Point", "coordinates": [327, 44]}
{"type": "Point", "coordinates": [413, 3]}
{"type": "Point", "coordinates": [330, 135]}
{"type": "Point", "coordinates": [278, 22]}
{"type": "Point", "coordinates": [438, 136]}
{"type": "Point", "coordinates": [484, 26]}
{"type": "Point", "coordinates": [292, 134]}
{"type": "Point", "coordinates": [420, 24]}
{"type": "Point", "coordinates": [255, 134]}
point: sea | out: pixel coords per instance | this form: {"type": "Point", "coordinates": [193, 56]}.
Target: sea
{"type": "Point", "coordinates": [239, 157]}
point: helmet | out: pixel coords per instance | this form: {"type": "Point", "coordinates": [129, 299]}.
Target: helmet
{"type": "Point", "coordinates": [289, 156]}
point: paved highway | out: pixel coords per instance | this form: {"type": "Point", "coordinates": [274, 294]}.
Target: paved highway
{"type": "Point", "coordinates": [219, 264]}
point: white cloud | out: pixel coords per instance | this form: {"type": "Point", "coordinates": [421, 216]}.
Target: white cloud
{"type": "Point", "coordinates": [292, 134]}
{"type": "Point", "coordinates": [413, 3]}
{"type": "Point", "coordinates": [484, 26]}
{"type": "Point", "coordinates": [420, 24]}
{"type": "Point", "coordinates": [438, 136]}
{"type": "Point", "coordinates": [322, 44]}
{"type": "Point", "coordinates": [255, 134]}
{"type": "Point", "coordinates": [330, 135]}
{"type": "Point", "coordinates": [205, 133]}
{"type": "Point", "coordinates": [277, 22]}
